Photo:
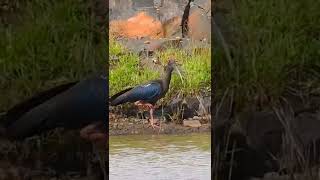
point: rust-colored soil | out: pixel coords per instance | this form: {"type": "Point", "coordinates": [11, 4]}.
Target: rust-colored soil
{"type": "Point", "coordinates": [137, 26]}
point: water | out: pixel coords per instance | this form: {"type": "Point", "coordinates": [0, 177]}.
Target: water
{"type": "Point", "coordinates": [160, 157]}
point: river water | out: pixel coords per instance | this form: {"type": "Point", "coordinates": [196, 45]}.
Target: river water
{"type": "Point", "coordinates": [160, 157]}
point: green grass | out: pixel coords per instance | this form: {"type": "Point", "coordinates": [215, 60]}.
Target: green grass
{"type": "Point", "coordinates": [276, 48]}
{"type": "Point", "coordinates": [196, 69]}
{"type": "Point", "coordinates": [45, 44]}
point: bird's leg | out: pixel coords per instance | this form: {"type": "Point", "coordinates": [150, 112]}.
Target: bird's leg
{"type": "Point", "coordinates": [142, 107]}
{"type": "Point", "coordinates": [151, 117]}
{"type": "Point", "coordinates": [151, 108]}
{"type": "Point", "coordinates": [159, 126]}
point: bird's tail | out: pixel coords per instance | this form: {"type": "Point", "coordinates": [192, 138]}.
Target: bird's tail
{"type": "Point", "coordinates": [113, 99]}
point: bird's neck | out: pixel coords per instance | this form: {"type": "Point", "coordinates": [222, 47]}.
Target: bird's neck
{"type": "Point", "coordinates": [166, 80]}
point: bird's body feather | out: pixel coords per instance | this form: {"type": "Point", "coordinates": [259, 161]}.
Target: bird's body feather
{"type": "Point", "coordinates": [149, 92]}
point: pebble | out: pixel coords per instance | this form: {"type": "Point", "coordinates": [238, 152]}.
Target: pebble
{"type": "Point", "coordinates": [196, 118]}
{"type": "Point", "coordinates": [191, 123]}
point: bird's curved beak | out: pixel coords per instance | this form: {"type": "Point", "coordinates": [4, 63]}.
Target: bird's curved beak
{"type": "Point", "coordinates": [177, 69]}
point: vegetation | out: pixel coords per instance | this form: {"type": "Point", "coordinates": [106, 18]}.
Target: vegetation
{"type": "Point", "coordinates": [43, 44]}
{"type": "Point", "coordinates": [196, 67]}
{"type": "Point", "coordinates": [275, 50]}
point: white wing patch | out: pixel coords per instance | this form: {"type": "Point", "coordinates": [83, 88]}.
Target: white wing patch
{"type": "Point", "coordinates": [146, 85]}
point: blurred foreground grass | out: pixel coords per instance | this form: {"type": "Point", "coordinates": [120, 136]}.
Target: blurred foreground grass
{"type": "Point", "coordinates": [46, 43]}
{"type": "Point", "coordinates": [275, 50]}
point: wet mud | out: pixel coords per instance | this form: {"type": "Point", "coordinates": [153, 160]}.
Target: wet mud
{"type": "Point", "coordinates": [130, 126]}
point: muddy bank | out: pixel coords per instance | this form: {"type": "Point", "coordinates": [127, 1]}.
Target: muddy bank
{"type": "Point", "coordinates": [130, 126]}
{"type": "Point", "coordinates": [179, 116]}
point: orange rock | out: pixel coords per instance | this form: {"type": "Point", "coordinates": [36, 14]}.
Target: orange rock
{"type": "Point", "coordinates": [143, 25]}
{"type": "Point", "coordinates": [138, 26]}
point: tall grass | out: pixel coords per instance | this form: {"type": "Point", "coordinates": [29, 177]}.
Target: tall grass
{"type": "Point", "coordinates": [45, 44]}
{"type": "Point", "coordinates": [275, 48]}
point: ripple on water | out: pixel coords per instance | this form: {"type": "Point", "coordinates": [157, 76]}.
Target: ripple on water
{"type": "Point", "coordinates": [162, 157]}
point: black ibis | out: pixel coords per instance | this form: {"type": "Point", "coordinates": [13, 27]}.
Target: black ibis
{"type": "Point", "coordinates": [146, 95]}
{"type": "Point", "coordinates": [77, 105]}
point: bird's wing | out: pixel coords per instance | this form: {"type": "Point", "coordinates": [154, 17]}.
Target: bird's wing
{"type": "Point", "coordinates": [75, 107]}
{"type": "Point", "coordinates": [18, 110]}
{"type": "Point", "coordinates": [112, 98]}
{"type": "Point", "coordinates": [146, 92]}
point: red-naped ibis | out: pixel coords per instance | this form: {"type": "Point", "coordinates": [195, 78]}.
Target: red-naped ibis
{"type": "Point", "coordinates": [77, 105]}
{"type": "Point", "coordinates": [146, 95]}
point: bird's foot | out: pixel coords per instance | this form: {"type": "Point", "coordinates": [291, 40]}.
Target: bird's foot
{"type": "Point", "coordinates": [155, 124]}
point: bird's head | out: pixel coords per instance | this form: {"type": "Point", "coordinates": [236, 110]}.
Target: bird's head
{"type": "Point", "coordinates": [173, 66]}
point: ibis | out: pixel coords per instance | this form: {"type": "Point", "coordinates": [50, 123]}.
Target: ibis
{"type": "Point", "coordinates": [146, 95]}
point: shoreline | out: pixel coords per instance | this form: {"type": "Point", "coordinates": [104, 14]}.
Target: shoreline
{"type": "Point", "coordinates": [119, 126]}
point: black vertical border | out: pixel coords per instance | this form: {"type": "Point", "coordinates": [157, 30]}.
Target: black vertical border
{"type": "Point", "coordinates": [106, 41]}
{"type": "Point", "coordinates": [107, 79]}
{"type": "Point", "coordinates": [213, 87]}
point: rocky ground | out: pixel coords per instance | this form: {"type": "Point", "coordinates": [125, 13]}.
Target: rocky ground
{"type": "Point", "coordinates": [196, 117]}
